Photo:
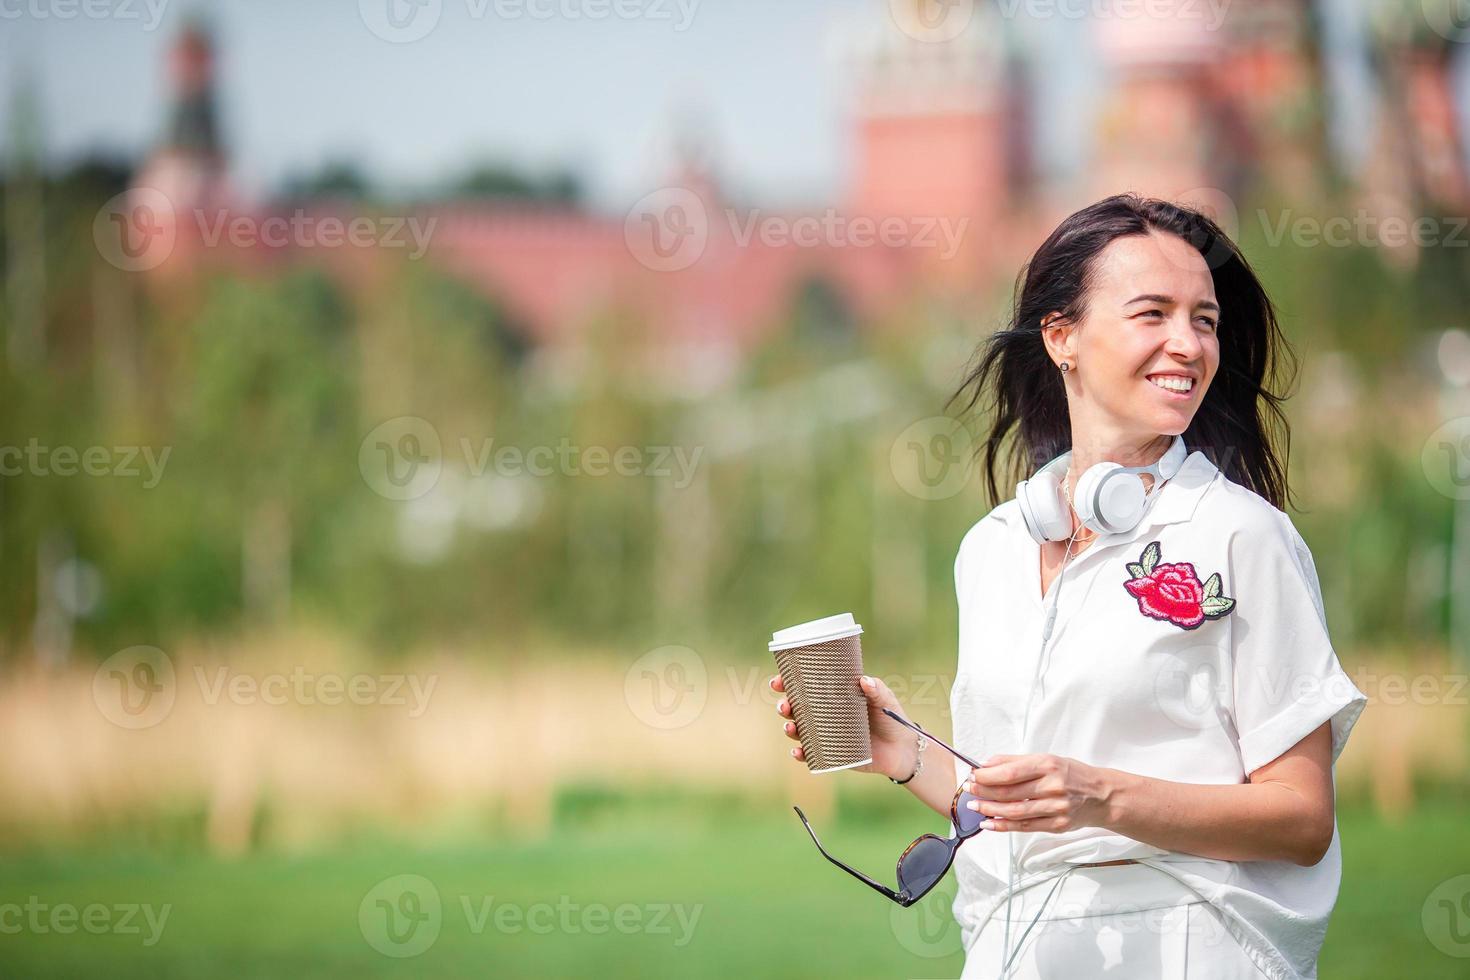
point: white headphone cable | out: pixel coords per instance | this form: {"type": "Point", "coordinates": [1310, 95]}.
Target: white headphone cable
{"type": "Point", "coordinates": [1050, 621]}
{"type": "Point", "coordinates": [1007, 956]}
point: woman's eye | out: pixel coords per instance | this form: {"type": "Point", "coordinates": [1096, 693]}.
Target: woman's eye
{"type": "Point", "coordinates": [1212, 324]}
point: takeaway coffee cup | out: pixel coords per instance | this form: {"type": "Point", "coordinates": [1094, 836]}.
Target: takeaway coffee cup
{"type": "Point", "coordinates": [820, 664]}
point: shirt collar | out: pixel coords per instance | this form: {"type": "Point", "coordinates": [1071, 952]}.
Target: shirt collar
{"type": "Point", "coordinates": [1180, 495]}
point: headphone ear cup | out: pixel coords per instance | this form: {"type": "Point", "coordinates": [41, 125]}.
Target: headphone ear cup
{"type": "Point", "coordinates": [1109, 499]}
{"type": "Point", "coordinates": [1040, 499]}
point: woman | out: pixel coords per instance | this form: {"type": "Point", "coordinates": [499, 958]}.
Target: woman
{"type": "Point", "coordinates": [1147, 680]}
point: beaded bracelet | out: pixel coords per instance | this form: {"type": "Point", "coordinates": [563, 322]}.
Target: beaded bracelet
{"type": "Point", "coordinates": [918, 767]}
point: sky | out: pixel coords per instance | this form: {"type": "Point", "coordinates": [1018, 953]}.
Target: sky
{"type": "Point", "coordinates": [564, 84]}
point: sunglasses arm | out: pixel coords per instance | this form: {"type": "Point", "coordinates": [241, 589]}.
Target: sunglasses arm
{"type": "Point", "coordinates": [942, 744]}
{"type": "Point", "coordinates": [875, 885]}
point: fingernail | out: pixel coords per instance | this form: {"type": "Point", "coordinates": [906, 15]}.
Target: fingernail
{"type": "Point", "coordinates": [974, 805]}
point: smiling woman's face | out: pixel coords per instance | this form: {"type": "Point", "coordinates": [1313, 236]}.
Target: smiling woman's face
{"type": "Point", "coordinates": [1146, 348]}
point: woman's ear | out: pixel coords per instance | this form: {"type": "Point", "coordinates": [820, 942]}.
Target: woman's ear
{"type": "Point", "coordinates": [1056, 333]}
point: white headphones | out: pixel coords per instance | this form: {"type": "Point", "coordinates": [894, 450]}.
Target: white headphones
{"type": "Point", "coordinates": [1107, 498]}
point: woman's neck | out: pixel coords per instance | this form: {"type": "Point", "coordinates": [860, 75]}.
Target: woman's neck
{"type": "Point", "coordinates": [1088, 451]}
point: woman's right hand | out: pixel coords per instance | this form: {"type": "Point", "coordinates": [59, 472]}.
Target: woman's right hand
{"type": "Point", "coordinates": [895, 748]}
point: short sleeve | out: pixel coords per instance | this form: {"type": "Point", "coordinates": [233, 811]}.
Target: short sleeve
{"type": "Point", "coordinates": [1288, 679]}
{"type": "Point", "coordinates": [959, 574]}
{"type": "Point", "coordinates": [963, 558]}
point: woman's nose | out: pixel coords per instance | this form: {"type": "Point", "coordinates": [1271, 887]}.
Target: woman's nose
{"type": "Point", "coordinates": [1183, 338]}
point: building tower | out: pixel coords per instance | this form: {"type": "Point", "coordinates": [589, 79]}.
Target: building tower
{"type": "Point", "coordinates": [938, 130]}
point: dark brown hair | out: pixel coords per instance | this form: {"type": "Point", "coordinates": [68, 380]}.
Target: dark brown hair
{"type": "Point", "coordinates": [1240, 416]}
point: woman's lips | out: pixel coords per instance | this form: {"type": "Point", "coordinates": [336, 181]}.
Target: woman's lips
{"type": "Point", "coordinates": [1171, 393]}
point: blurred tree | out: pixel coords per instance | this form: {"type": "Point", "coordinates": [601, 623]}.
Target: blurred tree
{"type": "Point", "coordinates": [268, 426]}
{"type": "Point", "coordinates": [338, 179]}
{"type": "Point", "coordinates": [497, 181]}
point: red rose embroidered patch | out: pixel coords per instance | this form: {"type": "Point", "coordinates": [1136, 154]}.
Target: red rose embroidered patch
{"type": "Point", "coordinates": [1174, 592]}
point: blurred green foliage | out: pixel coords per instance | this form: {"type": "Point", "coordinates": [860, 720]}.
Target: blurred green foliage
{"type": "Point", "coordinates": [262, 388]}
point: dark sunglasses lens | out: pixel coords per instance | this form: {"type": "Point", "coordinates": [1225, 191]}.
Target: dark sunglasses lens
{"type": "Point", "coordinates": [968, 821]}
{"type": "Point", "coordinates": [923, 865]}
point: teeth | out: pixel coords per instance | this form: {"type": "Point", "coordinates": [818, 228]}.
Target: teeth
{"type": "Point", "coordinates": [1182, 385]}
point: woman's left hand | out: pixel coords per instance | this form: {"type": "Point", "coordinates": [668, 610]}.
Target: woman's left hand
{"type": "Point", "coordinates": [1045, 793]}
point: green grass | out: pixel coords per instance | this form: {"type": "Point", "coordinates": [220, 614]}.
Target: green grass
{"type": "Point", "coordinates": [767, 905]}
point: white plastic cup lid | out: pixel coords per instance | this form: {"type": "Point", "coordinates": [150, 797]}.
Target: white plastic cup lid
{"type": "Point", "coordinates": [816, 631]}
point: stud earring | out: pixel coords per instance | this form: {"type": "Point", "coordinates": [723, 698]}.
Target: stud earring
{"type": "Point", "coordinates": [1066, 366]}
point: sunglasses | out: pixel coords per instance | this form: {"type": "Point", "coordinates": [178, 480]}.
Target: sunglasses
{"type": "Point", "coordinates": [929, 857]}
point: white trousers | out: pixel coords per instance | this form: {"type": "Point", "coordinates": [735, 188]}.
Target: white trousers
{"type": "Point", "coordinates": [1119, 922]}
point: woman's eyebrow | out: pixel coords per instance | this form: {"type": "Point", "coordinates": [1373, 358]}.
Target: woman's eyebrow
{"type": "Point", "coordinates": [1204, 304]}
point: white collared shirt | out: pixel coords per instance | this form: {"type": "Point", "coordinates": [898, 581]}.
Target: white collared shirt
{"type": "Point", "coordinates": [1143, 679]}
